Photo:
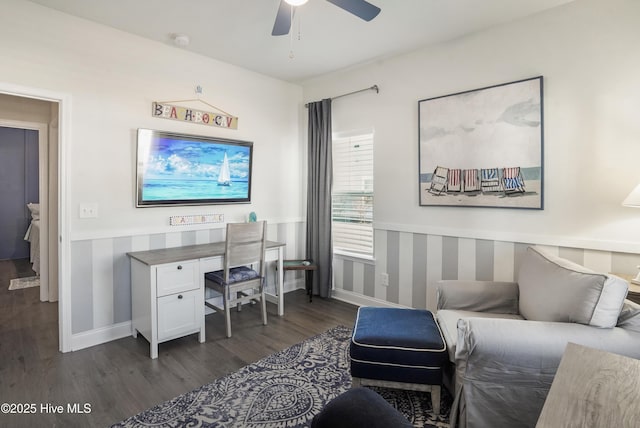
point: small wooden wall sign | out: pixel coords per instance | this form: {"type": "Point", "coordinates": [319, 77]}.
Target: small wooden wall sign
{"type": "Point", "coordinates": [187, 114]}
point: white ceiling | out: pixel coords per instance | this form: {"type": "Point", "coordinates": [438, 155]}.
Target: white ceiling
{"type": "Point", "coordinates": [239, 31]}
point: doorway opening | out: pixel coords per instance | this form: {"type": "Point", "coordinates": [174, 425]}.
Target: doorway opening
{"type": "Point", "coordinates": [29, 129]}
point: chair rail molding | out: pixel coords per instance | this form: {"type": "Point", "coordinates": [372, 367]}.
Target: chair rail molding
{"type": "Point", "coordinates": [495, 235]}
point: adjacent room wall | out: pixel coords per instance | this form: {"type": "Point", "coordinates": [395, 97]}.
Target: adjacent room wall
{"type": "Point", "coordinates": [586, 52]}
{"type": "Point", "coordinates": [112, 78]}
{"type": "Point", "coordinates": [19, 175]}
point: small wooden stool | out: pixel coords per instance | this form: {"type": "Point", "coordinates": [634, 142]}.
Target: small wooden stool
{"type": "Point", "coordinates": [308, 266]}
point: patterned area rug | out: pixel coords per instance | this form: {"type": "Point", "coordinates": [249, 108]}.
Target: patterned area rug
{"type": "Point", "coordinates": [20, 283]}
{"type": "Point", "coordinates": [283, 390]}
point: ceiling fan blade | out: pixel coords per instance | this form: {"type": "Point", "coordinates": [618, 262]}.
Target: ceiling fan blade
{"type": "Point", "coordinates": [283, 19]}
{"type": "Point", "coordinates": [360, 8]}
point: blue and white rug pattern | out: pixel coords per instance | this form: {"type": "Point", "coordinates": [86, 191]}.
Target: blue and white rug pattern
{"type": "Point", "coordinates": [283, 390]}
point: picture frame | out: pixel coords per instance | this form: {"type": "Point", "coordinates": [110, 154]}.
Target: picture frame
{"type": "Point", "coordinates": [483, 147]}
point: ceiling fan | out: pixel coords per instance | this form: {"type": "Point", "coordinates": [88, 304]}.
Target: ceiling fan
{"type": "Point", "coordinates": [360, 8]}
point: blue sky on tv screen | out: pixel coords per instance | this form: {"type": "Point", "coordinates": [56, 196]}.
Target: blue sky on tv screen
{"type": "Point", "coordinates": [190, 160]}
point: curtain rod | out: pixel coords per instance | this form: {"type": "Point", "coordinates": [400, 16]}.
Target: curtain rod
{"type": "Point", "coordinates": [372, 88]}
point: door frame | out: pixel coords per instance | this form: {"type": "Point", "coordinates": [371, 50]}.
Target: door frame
{"type": "Point", "coordinates": [43, 195]}
{"type": "Point", "coordinates": [64, 247]}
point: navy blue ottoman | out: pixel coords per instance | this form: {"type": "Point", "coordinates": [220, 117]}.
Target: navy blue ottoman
{"type": "Point", "coordinates": [398, 348]}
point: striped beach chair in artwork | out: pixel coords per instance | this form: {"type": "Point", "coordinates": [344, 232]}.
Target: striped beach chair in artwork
{"type": "Point", "coordinates": [439, 180]}
{"type": "Point", "coordinates": [512, 180]}
{"type": "Point", "coordinates": [454, 180]}
{"type": "Point", "coordinates": [471, 180]}
{"type": "Point", "coordinates": [490, 180]}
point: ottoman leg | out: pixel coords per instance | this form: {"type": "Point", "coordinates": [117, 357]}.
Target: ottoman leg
{"type": "Point", "coordinates": [435, 399]}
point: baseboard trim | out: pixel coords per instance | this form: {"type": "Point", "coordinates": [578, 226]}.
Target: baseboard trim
{"type": "Point", "coordinates": [360, 300]}
{"type": "Point", "coordinates": [293, 285]}
{"type": "Point", "coordinates": [99, 336]}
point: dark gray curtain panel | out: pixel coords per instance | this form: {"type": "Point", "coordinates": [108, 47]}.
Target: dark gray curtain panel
{"type": "Point", "coordinates": [320, 176]}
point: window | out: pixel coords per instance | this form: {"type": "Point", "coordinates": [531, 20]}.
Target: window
{"type": "Point", "coordinates": [352, 197]}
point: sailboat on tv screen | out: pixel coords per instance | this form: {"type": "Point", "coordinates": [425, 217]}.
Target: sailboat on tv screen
{"type": "Point", "coordinates": [224, 178]}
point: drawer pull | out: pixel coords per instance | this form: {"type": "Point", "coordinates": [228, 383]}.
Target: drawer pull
{"type": "Point", "coordinates": [179, 267]}
{"type": "Point", "coordinates": [179, 296]}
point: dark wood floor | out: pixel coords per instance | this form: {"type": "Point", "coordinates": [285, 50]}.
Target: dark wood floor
{"type": "Point", "coordinates": [118, 379]}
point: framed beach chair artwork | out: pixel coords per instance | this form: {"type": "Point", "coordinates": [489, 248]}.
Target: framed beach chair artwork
{"type": "Point", "coordinates": [483, 147]}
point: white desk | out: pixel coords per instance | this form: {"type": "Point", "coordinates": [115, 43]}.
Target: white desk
{"type": "Point", "coordinates": [167, 289]}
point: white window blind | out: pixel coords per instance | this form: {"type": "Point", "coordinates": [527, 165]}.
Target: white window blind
{"type": "Point", "coordinates": [352, 196]}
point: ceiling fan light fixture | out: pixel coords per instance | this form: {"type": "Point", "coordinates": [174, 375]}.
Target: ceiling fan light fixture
{"type": "Point", "coordinates": [296, 2]}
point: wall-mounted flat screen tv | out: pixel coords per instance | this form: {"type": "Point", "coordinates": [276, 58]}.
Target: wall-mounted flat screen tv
{"type": "Point", "coordinates": [181, 169]}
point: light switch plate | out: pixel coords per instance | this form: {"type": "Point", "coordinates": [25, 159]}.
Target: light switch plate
{"type": "Point", "coordinates": [89, 210]}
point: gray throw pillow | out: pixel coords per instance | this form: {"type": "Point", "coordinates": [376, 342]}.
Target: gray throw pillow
{"type": "Point", "coordinates": [555, 289]}
{"type": "Point", "coordinates": [629, 318]}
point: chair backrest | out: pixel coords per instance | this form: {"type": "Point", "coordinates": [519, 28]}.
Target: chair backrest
{"type": "Point", "coordinates": [245, 245]}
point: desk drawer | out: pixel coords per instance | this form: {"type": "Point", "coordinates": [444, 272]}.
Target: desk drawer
{"type": "Point", "coordinates": [177, 277]}
{"type": "Point", "coordinates": [271, 254]}
{"type": "Point", "coordinates": [211, 264]}
{"type": "Point", "coordinates": [179, 314]}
